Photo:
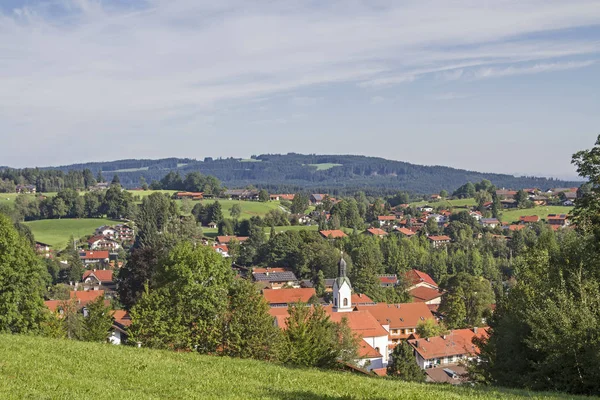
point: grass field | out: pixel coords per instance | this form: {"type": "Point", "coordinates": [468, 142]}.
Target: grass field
{"type": "Point", "coordinates": [541, 211]}
{"type": "Point", "coordinates": [37, 368]}
{"type": "Point", "coordinates": [324, 166]}
{"type": "Point", "coordinates": [447, 203]}
{"type": "Point", "coordinates": [56, 232]}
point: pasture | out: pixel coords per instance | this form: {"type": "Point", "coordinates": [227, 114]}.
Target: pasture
{"type": "Point", "coordinates": [56, 232]}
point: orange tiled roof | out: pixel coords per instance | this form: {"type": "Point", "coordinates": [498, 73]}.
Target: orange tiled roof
{"type": "Point", "coordinates": [377, 231]}
{"type": "Point", "coordinates": [457, 342]}
{"type": "Point", "coordinates": [423, 294]}
{"type": "Point", "coordinates": [94, 255]}
{"type": "Point", "coordinates": [365, 350]}
{"type": "Point", "coordinates": [405, 231]}
{"type": "Point", "coordinates": [227, 239]}
{"type": "Point", "coordinates": [414, 276]}
{"type": "Point", "coordinates": [288, 296]}
{"type": "Point", "coordinates": [103, 275]}
{"type": "Point", "coordinates": [360, 322]}
{"type": "Point", "coordinates": [122, 317]}
{"type": "Point", "coordinates": [439, 238]}
{"type": "Point", "coordinates": [84, 297]}
{"type": "Point", "coordinates": [336, 233]}
{"type": "Point", "coordinates": [399, 316]}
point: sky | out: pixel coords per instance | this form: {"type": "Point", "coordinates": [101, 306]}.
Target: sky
{"type": "Point", "coordinates": [507, 86]}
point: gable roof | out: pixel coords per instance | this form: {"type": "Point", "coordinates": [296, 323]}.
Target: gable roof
{"type": "Point", "coordinates": [93, 255]}
{"type": "Point", "coordinates": [365, 350]}
{"type": "Point", "coordinates": [414, 277]}
{"type": "Point", "coordinates": [529, 218]}
{"type": "Point", "coordinates": [388, 279]}
{"type": "Point", "coordinates": [377, 231]}
{"type": "Point", "coordinates": [406, 231]}
{"type": "Point", "coordinates": [439, 238]}
{"type": "Point", "coordinates": [84, 297]}
{"type": "Point", "coordinates": [227, 239]}
{"type": "Point", "coordinates": [423, 293]}
{"type": "Point", "coordinates": [360, 298]}
{"type": "Point", "coordinates": [285, 276]}
{"type": "Point", "coordinates": [103, 275]}
{"type": "Point", "coordinates": [360, 322]}
{"type": "Point", "coordinates": [335, 234]}
{"type": "Point", "coordinates": [122, 317]}
{"type": "Point", "coordinates": [457, 342]}
{"type": "Point", "coordinates": [398, 316]}
{"type": "Point", "coordinates": [386, 218]}
{"type": "Point", "coordinates": [288, 296]}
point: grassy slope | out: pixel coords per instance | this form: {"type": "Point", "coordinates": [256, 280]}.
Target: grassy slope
{"type": "Point", "coordinates": [541, 211]}
{"type": "Point", "coordinates": [39, 368]}
{"type": "Point", "coordinates": [324, 166]}
{"type": "Point", "coordinates": [56, 232]}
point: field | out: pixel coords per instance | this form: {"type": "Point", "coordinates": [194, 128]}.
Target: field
{"type": "Point", "coordinates": [37, 368]}
{"type": "Point", "coordinates": [541, 211]}
{"type": "Point", "coordinates": [324, 166]}
{"type": "Point", "coordinates": [56, 232]}
{"type": "Point", "coordinates": [447, 203]}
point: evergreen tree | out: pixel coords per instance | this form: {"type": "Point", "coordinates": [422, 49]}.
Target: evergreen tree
{"type": "Point", "coordinates": [98, 321]}
{"type": "Point", "coordinates": [404, 365]}
{"type": "Point", "coordinates": [453, 309]}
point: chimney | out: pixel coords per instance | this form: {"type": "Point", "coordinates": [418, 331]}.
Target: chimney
{"type": "Point", "coordinates": [444, 337]}
{"type": "Point", "coordinates": [475, 330]}
{"type": "Point", "coordinates": [427, 339]}
{"type": "Point", "coordinates": [417, 343]}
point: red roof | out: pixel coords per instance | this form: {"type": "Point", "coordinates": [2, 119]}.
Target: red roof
{"type": "Point", "coordinates": [423, 294]}
{"type": "Point", "coordinates": [399, 316]}
{"type": "Point", "coordinates": [335, 234]}
{"type": "Point", "coordinates": [377, 231]}
{"type": "Point", "coordinates": [516, 227]}
{"type": "Point", "coordinates": [529, 218]}
{"type": "Point", "coordinates": [365, 350]}
{"type": "Point", "coordinates": [53, 304]}
{"type": "Point", "coordinates": [360, 322]}
{"type": "Point", "coordinates": [405, 231]}
{"type": "Point", "coordinates": [288, 296]}
{"type": "Point", "coordinates": [95, 239]}
{"type": "Point", "coordinates": [359, 298]}
{"type": "Point", "coordinates": [257, 270]}
{"type": "Point", "coordinates": [439, 238]}
{"type": "Point", "coordinates": [122, 317]}
{"type": "Point", "coordinates": [457, 342]}
{"type": "Point", "coordinates": [414, 276]}
{"type": "Point", "coordinates": [94, 255]}
{"type": "Point", "coordinates": [386, 218]}
{"type": "Point", "coordinates": [84, 297]}
{"type": "Point", "coordinates": [227, 239]}
{"type": "Point", "coordinates": [389, 279]}
{"type": "Point", "coordinates": [103, 275]}
{"type": "Point", "coordinates": [380, 371]}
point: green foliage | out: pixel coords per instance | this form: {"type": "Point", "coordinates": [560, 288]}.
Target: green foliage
{"type": "Point", "coordinates": [403, 364]}
{"type": "Point", "coordinates": [430, 328]}
{"type": "Point", "coordinates": [98, 321]}
{"type": "Point", "coordinates": [313, 340]}
{"type": "Point", "coordinates": [189, 295]}
{"type": "Point", "coordinates": [263, 195]}
{"type": "Point", "coordinates": [235, 211]}
{"type": "Point", "coordinates": [299, 203]}
{"type": "Point", "coordinates": [22, 282]}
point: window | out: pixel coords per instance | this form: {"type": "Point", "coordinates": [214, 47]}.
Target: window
{"type": "Point", "coordinates": [345, 302]}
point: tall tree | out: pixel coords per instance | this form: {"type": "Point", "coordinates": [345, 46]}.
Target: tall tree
{"type": "Point", "coordinates": [404, 365]}
{"type": "Point", "coordinates": [23, 279]}
{"type": "Point", "coordinates": [98, 321]}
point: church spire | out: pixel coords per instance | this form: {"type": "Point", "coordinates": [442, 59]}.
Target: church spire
{"type": "Point", "coordinates": [342, 267]}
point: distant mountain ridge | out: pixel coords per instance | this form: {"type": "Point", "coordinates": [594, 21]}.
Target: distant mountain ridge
{"type": "Point", "coordinates": [331, 173]}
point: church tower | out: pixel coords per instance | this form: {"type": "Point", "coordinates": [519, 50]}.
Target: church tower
{"type": "Point", "coordinates": [342, 290]}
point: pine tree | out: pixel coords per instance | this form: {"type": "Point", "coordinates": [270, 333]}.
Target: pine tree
{"type": "Point", "coordinates": [404, 365]}
{"type": "Point", "coordinates": [98, 321]}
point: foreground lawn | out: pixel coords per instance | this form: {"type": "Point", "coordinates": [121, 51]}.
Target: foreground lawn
{"type": "Point", "coordinates": [56, 232]}
{"type": "Point", "coordinates": [38, 368]}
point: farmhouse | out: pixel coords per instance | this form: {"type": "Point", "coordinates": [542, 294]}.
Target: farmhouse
{"type": "Point", "coordinates": [227, 239]}
{"type": "Point", "coordinates": [528, 219]}
{"type": "Point", "coordinates": [375, 232]}
{"type": "Point", "coordinates": [333, 234]}
{"type": "Point", "coordinates": [439, 241]}
{"type": "Point", "coordinates": [25, 189]}
{"type": "Point", "coordinates": [189, 195]}
{"type": "Point", "coordinates": [288, 197]}
{"type": "Point", "coordinates": [386, 219]}
{"type": "Point", "coordinates": [317, 198]}
{"type": "Point", "coordinates": [558, 219]}
{"type": "Point", "coordinates": [405, 232]}
{"type": "Point", "coordinates": [448, 349]}
{"type": "Point", "coordinates": [489, 222]}
{"type": "Point", "coordinates": [98, 278]}
{"type": "Point", "coordinates": [242, 194]}
{"type": "Point", "coordinates": [100, 242]}
{"type": "Point", "coordinates": [94, 257]}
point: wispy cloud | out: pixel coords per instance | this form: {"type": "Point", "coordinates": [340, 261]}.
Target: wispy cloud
{"type": "Point", "coordinates": [530, 69]}
{"type": "Point", "coordinates": [113, 68]}
{"type": "Point", "coordinates": [451, 96]}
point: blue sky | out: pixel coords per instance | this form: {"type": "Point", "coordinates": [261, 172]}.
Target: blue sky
{"type": "Point", "coordinates": [500, 86]}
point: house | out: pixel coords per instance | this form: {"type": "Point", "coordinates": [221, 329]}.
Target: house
{"type": "Point", "coordinates": [508, 203]}
{"type": "Point", "coordinates": [99, 186]}
{"type": "Point", "coordinates": [439, 241]}
{"type": "Point", "coordinates": [189, 195]}
{"type": "Point", "coordinates": [277, 197]}
{"type": "Point", "coordinates": [425, 208]}
{"type": "Point", "coordinates": [222, 249]}
{"type": "Point", "coordinates": [242, 194]}
{"type": "Point", "coordinates": [399, 320]}
{"type": "Point", "coordinates": [529, 219]}
{"type": "Point", "coordinates": [227, 239]}
{"type": "Point", "coordinates": [427, 295]}
{"type": "Point", "coordinates": [405, 232]}
{"type": "Point", "coordinates": [25, 189]}
{"type": "Point", "coordinates": [435, 197]}
{"type": "Point", "coordinates": [514, 228]}
{"type": "Point", "coordinates": [386, 219]}
{"type": "Point", "coordinates": [539, 200]}
{"type": "Point", "coordinates": [118, 333]}
{"type": "Point", "coordinates": [388, 280]}
{"type": "Point", "coordinates": [452, 374]}
{"type": "Point", "coordinates": [449, 349]}
{"type": "Point", "coordinates": [99, 278]}
{"type": "Point", "coordinates": [43, 249]}
{"type": "Point", "coordinates": [557, 219]}
{"type": "Point", "coordinates": [317, 198]}
{"type": "Point", "coordinates": [285, 297]}
{"type": "Point", "coordinates": [85, 296]}
{"type": "Point", "coordinates": [100, 242]}
{"type": "Point", "coordinates": [489, 222]}
{"type": "Point", "coordinates": [476, 214]}
{"type": "Point", "coordinates": [94, 257]}
{"type": "Point", "coordinates": [506, 194]}
{"type": "Point", "coordinates": [376, 232]}
{"type": "Point", "coordinates": [276, 279]}
{"type": "Point", "coordinates": [438, 218]}
{"type": "Point", "coordinates": [416, 278]}
{"type": "Point", "coordinates": [333, 234]}
{"type": "Point", "coordinates": [107, 232]}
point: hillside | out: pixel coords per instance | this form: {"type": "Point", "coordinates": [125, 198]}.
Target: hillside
{"type": "Point", "coordinates": [336, 174]}
{"type": "Point", "coordinates": [39, 368]}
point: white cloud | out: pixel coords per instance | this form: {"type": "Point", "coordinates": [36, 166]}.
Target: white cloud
{"type": "Point", "coordinates": [530, 69]}
{"type": "Point", "coordinates": [69, 67]}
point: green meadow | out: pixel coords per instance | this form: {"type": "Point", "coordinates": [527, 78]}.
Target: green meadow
{"type": "Point", "coordinates": [540, 211]}
{"type": "Point", "coordinates": [324, 166]}
{"type": "Point", "coordinates": [38, 368]}
{"type": "Point", "coordinates": [56, 232]}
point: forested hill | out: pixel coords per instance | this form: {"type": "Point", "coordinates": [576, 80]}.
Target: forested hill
{"type": "Point", "coordinates": [327, 173]}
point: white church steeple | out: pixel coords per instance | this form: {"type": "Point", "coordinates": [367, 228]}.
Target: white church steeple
{"type": "Point", "coordinates": [342, 290]}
